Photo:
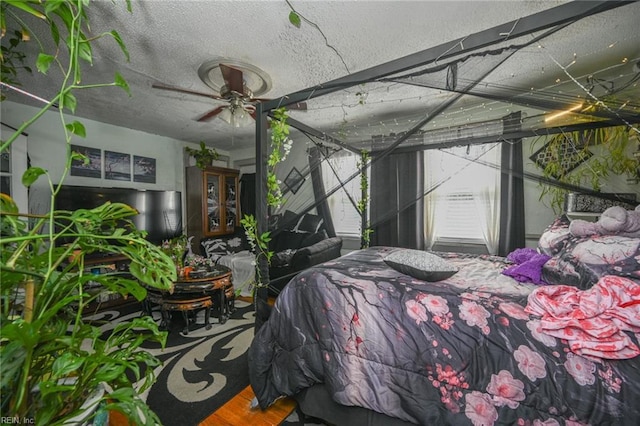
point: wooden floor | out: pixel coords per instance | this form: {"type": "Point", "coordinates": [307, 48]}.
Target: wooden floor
{"type": "Point", "coordinates": [238, 412]}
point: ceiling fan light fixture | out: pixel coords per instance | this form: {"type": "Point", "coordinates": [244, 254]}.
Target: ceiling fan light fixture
{"type": "Point", "coordinates": [236, 115]}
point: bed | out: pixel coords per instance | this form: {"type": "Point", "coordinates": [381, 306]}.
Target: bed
{"type": "Point", "coordinates": [360, 340]}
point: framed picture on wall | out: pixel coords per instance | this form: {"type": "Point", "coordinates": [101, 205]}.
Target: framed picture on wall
{"type": "Point", "coordinates": [117, 166]}
{"type": "Point", "coordinates": [565, 154]}
{"type": "Point", "coordinates": [294, 180]}
{"type": "Point", "coordinates": [90, 168]}
{"type": "Point", "coordinates": [144, 169]}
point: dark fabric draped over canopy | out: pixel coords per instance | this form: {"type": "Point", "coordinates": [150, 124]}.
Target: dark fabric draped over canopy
{"type": "Point", "coordinates": [396, 193]}
{"type": "Point", "coordinates": [512, 230]}
{"type": "Point", "coordinates": [247, 194]}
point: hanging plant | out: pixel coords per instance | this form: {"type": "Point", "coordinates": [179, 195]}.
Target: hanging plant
{"type": "Point", "coordinates": [616, 157]}
{"type": "Point", "coordinates": [280, 148]}
{"type": "Point", "coordinates": [365, 234]}
{"type": "Point", "coordinates": [204, 156]}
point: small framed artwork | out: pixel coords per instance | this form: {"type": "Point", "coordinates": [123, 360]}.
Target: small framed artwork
{"type": "Point", "coordinates": [565, 154]}
{"type": "Point", "coordinates": [144, 169]}
{"type": "Point", "coordinates": [294, 180]}
{"type": "Point", "coordinates": [92, 167]}
{"type": "Point", "coordinates": [117, 166]}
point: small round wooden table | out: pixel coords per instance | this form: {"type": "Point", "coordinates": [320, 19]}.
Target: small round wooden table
{"type": "Point", "coordinates": [194, 293]}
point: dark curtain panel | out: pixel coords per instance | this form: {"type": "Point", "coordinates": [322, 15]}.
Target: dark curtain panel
{"type": "Point", "coordinates": [319, 192]}
{"type": "Point", "coordinates": [248, 194]}
{"type": "Point", "coordinates": [512, 234]}
{"type": "Point", "coordinates": [397, 204]}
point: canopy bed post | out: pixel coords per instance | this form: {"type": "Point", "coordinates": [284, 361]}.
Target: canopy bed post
{"type": "Point", "coordinates": [262, 214]}
{"type": "Point", "coordinates": [512, 219]}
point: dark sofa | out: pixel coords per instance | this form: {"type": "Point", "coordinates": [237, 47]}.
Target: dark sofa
{"type": "Point", "coordinates": [297, 242]}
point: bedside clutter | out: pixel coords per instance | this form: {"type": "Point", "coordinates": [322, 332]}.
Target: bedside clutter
{"type": "Point", "coordinates": [297, 245]}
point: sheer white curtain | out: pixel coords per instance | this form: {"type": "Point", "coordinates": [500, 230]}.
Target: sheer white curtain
{"type": "Point", "coordinates": [338, 168]}
{"type": "Point", "coordinates": [487, 198]}
{"type": "Point", "coordinates": [465, 202]}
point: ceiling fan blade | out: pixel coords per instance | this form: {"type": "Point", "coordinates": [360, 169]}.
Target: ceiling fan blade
{"type": "Point", "coordinates": [302, 106]}
{"type": "Point", "coordinates": [209, 115]}
{"type": "Point", "coordinates": [233, 77]}
{"type": "Point", "coordinates": [191, 92]}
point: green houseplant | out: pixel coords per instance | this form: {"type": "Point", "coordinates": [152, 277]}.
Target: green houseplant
{"type": "Point", "coordinates": [616, 149]}
{"type": "Point", "coordinates": [204, 156]}
{"type": "Point", "coordinates": [52, 358]}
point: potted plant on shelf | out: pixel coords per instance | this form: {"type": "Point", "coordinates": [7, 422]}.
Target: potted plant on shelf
{"type": "Point", "coordinates": [53, 358]}
{"type": "Point", "coordinates": [204, 156]}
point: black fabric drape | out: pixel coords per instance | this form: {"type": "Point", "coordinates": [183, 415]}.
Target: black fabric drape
{"type": "Point", "coordinates": [319, 192]}
{"type": "Point", "coordinates": [512, 230]}
{"type": "Point", "coordinates": [396, 207]}
{"type": "Point", "coordinates": [248, 193]}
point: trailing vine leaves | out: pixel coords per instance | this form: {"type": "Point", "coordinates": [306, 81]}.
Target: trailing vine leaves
{"type": "Point", "coordinates": [280, 148]}
{"type": "Point", "coordinates": [366, 231]}
{"type": "Point", "coordinates": [615, 146]}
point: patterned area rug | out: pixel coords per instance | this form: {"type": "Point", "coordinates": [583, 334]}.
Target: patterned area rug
{"type": "Point", "coordinates": [201, 370]}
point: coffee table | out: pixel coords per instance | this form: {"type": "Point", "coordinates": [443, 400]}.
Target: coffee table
{"type": "Point", "coordinates": [192, 294]}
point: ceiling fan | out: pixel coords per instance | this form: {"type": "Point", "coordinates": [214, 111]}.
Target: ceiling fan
{"type": "Point", "coordinates": [237, 84]}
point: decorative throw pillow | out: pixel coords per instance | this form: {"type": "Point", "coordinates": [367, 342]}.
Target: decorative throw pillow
{"type": "Point", "coordinates": [289, 220]}
{"type": "Point", "coordinates": [309, 223]}
{"type": "Point", "coordinates": [585, 260]}
{"type": "Point", "coordinates": [214, 248]}
{"type": "Point", "coordinates": [555, 236]}
{"type": "Point", "coordinates": [420, 264]}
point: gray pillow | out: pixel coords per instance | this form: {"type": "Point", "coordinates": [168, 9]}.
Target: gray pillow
{"type": "Point", "coordinates": [420, 264]}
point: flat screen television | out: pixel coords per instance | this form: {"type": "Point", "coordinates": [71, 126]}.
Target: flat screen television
{"type": "Point", "coordinates": [159, 212]}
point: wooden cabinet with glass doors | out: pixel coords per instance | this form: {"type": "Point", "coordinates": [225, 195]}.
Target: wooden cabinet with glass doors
{"type": "Point", "coordinates": [212, 202]}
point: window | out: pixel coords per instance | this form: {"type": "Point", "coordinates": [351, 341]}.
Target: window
{"type": "Point", "coordinates": [464, 204]}
{"type": "Point", "coordinates": [338, 168]}
{"type": "Point", "coordinates": [13, 163]}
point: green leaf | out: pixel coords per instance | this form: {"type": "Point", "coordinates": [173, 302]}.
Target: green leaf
{"type": "Point", "coordinates": [118, 39]}
{"type": "Point", "coordinates": [21, 4]}
{"type": "Point", "coordinates": [84, 50]}
{"type": "Point", "coordinates": [294, 18]}
{"type": "Point", "coordinates": [49, 387]}
{"type": "Point", "coordinates": [31, 175]}
{"type": "Point", "coordinates": [55, 32]}
{"type": "Point", "coordinates": [7, 205]}
{"type": "Point", "coordinates": [77, 128]}
{"type": "Point", "coordinates": [66, 363]}
{"type": "Point", "coordinates": [69, 101]}
{"type": "Point", "coordinates": [121, 82]}
{"type": "Point", "coordinates": [51, 6]}
{"type": "Point", "coordinates": [109, 372]}
{"type": "Point", "coordinates": [44, 62]}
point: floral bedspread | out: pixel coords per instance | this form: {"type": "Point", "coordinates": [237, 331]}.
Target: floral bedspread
{"type": "Point", "coordinates": [462, 351]}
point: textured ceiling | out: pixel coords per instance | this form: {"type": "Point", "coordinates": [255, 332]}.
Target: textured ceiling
{"type": "Point", "coordinates": [169, 40]}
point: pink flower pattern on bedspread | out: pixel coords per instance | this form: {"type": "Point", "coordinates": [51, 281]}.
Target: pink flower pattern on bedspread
{"type": "Point", "coordinates": [462, 351]}
{"type": "Point", "coordinates": [593, 321]}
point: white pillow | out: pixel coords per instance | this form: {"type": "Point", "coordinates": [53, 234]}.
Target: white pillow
{"type": "Point", "coordinates": [420, 264]}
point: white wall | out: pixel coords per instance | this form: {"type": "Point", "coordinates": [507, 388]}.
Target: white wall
{"type": "Point", "coordinates": [46, 149]}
